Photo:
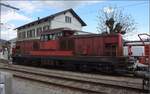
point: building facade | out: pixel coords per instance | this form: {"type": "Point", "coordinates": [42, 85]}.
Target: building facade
{"type": "Point", "coordinates": [65, 19]}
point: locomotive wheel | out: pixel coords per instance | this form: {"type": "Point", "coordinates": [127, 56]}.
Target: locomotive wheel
{"type": "Point", "coordinates": [84, 68]}
{"type": "Point", "coordinates": [70, 66]}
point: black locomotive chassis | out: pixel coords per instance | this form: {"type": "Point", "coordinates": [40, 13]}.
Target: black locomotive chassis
{"type": "Point", "coordinates": [103, 63]}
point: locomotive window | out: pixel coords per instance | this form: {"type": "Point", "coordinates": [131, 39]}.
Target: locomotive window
{"type": "Point", "coordinates": [42, 37]}
{"type": "Point", "coordinates": [45, 37]}
{"type": "Point", "coordinates": [60, 34]}
{"type": "Point", "coordinates": [50, 36]}
{"type": "Point", "coordinates": [110, 49]}
{"type": "Point", "coordinates": [54, 36]}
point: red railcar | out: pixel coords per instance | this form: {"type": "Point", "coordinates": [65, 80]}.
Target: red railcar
{"type": "Point", "coordinates": [60, 47]}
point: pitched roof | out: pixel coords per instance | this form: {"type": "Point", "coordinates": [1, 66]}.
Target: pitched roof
{"type": "Point", "coordinates": [56, 14]}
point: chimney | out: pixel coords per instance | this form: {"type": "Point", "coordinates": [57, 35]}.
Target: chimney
{"type": "Point", "coordinates": [38, 18]}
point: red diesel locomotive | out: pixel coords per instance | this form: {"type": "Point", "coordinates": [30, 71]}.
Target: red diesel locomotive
{"type": "Point", "coordinates": [63, 48]}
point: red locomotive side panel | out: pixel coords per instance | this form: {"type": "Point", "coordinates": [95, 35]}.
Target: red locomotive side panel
{"type": "Point", "coordinates": [99, 49]}
{"type": "Point", "coordinates": [104, 45]}
{"type": "Point", "coordinates": [92, 46]}
{"type": "Point", "coordinates": [95, 45]}
{"type": "Point", "coordinates": [147, 53]}
{"type": "Point", "coordinates": [147, 50]}
{"type": "Point", "coordinates": [24, 47]}
{"type": "Point", "coordinates": [51, 53]}
{"type": "Point", "coordinates": [51, 45]}
{"type": "Point", "coordinates": [113, 45]}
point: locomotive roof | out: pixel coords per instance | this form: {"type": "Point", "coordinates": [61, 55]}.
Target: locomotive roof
{"type": "Point", "coordinates": [68, 30]}
{"type": "Point", "coordinates": [53, 31]}
{"type": "Point", "coordinates": [94, 35]}
{"type": "Point", "coordinates": [137, 43]}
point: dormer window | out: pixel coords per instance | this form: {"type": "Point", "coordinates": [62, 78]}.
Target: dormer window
{"type": "Point", "coordinates": [67, 19]}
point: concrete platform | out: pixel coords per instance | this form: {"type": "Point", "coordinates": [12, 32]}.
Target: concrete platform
{"type": "Point", "coordinates": [5, 83]}
{"type": "Point", "coordinates": [4, 56]}
{"type": "Point", "coordinates": [15, 85]}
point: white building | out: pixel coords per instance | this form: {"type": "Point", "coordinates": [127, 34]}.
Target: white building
{"type": "Point", "coordinates": [65, 19]}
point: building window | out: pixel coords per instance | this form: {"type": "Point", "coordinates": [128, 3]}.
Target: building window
{"type": "Point", "coordinates": [67, 19]}
{"type": "Point", "coordinates": [19, 35]}
{"type": "Point", "coordinates": [29, 32]}
{"type": "Point", "coordinates": [45, 28]}
{"type": "Point", "coordinates": [23, 34]}
{"type": "Point", "coordinates": [33, 32]}
{"type": "Point", "coordinates": [38, 31]}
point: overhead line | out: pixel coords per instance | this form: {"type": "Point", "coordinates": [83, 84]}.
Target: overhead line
{"type": "Point", "coordinates": [9, 6]}
{"type": "Point", "coordinates": [130, 5]}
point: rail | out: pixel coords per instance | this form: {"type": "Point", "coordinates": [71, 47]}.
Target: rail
{"type": "Point", "coordinates": [74, 81]}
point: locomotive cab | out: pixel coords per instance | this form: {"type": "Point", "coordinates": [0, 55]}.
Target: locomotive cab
{"type": "Point", "coordinates": [50, 39]}
{"type": "Point", "coordinates": [56, 34]}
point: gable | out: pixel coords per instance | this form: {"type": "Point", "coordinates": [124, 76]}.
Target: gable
{"type": "Point", "coordinates": [61, 18]}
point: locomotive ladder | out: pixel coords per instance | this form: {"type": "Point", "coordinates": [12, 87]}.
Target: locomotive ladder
{"type": "Point", "coordinates": [146, 80]}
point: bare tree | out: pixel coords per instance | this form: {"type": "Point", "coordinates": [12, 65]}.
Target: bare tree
{"type": "Point", "coordinates": [113, 20]}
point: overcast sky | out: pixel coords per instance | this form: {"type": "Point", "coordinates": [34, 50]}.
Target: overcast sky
{"type": "Point", "coordinates": [87, 10]}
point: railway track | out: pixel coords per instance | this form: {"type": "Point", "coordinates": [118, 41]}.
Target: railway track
{"type": "Point", "coordinates": [89, 83]}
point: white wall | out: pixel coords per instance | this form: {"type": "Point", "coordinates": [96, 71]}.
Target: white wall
{"type": "Point", "coordinates": [33, 27]}
{"type": "Point", "coordinates": [59, 21]}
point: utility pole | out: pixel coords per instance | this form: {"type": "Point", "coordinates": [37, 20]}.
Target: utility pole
{"type": "Point", "coordinates": [9, 6]}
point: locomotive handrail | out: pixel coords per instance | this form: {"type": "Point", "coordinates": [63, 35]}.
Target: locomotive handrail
{"type": "Point", "coordinates": [149, 48]}
{"type": "Point", "coordinates": [139, 35]}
